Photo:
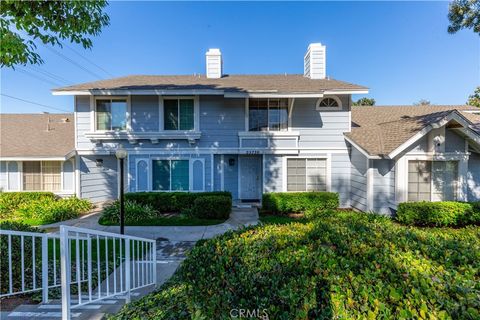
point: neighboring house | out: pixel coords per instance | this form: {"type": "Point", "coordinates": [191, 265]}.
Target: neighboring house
{"type": "Point", "coordinates": [250, 134]}
{"type": "Point", "coordinates": [37, 153]}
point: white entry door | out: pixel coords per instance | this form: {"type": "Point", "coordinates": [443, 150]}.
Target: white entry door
{"type": "Point", "coordinates": [250, 177]}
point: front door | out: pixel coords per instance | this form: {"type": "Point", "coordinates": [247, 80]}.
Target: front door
{"type": "Point", "coordinates": [250, 177]}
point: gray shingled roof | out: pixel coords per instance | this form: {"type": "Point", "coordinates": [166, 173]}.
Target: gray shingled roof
{"type": "Point", "coordinates": [36, 135]}
{"type": "Point", "coordinates": [381, 129]}
{"type": "Point", "coordinates": [292, 83]}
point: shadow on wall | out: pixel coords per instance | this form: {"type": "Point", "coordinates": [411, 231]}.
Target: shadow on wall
{"type": "Point", "coordinates": [99, 178]}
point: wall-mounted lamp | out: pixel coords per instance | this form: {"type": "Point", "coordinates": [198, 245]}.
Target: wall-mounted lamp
{"type": "Point", "coordinates": [231, 162]}
{"type": "Point", "coordinates": [99, 162]}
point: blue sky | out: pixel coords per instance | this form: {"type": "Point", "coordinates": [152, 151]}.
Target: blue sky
{"type": "Point", "coordinates": [400, 50]}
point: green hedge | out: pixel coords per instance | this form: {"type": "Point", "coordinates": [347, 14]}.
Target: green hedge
{"type": "Point", "coordinates": [299, 202]}
{"type": "Point", "coordinates": [346, 265]}
{"type": "Point", "coordinates": [11, 201]}
{"type": "Point", "coordinates": [170, 202]}
{"type": "Point", "coordinates": [212, 207]}
{"type": "Point", "coordinates": [134, 212]}
{"type": "Point", "coordinates": [438, 214]}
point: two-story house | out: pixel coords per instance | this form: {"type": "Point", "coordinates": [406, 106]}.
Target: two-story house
{"type": "Point", "coordinates": [250, 134]}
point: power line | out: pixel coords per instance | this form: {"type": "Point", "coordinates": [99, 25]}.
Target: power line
{"type": "Point", "coordinates": [49, 74]}
{"type": "Point", "coordinates": [73, 62]}
{"type": "Point", "coordinates": [38, 104]}
{"type": "Point", "coordinates": [88, 60]}
{"type": "Point", "coordinates": [38, 77]}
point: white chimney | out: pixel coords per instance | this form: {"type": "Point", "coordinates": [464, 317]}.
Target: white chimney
{"type": "Point", "coordinates": [315, 61]}
{"type": "Point", "coordinates": [214, 63]}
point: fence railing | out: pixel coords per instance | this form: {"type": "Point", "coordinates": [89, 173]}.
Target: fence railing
{"type": "Point", "coordinates": [86, 265]}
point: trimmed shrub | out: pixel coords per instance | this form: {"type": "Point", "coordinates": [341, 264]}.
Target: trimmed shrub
{"type": "Point", "coordinates": [437, 214]}
{"type": "Point", "coordinates": [170, 202]}
{"type": "Point", "coordinates": [309, 203]}
{"type": "Point", "coordinates": [11, 201]}
{"type": "Point", "coordinates": [212, 207]}
{"type": "Point", "coordinates": [134, 212]}
{"type": "Point", "coordinates": [346, 265]}
{"type": "Point", "coordinates": [50, 210]}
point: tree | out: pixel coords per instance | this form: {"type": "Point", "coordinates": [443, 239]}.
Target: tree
{"type": "Point", "coordinates": [24, 22]}
{"type": "Point", "coordinates": [464, 14]}
{"type": "Point", "coordinates": [364, 102]}
{"type": "Point", "coordinates": [474, 98]}
{"type": "Point", "coordinates": [422, 102]}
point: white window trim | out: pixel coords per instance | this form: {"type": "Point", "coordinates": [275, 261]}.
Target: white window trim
{"type": "Point", "coordinates": [337, 99]}
{"type": "Point", "coordinates": [190, 173]}
{"type": "Point", "coordinates": [196, 112]}
{"type": "Point", "coordinates": [93, 110]}
{"type": "Point", "coordinates": [328, 173]}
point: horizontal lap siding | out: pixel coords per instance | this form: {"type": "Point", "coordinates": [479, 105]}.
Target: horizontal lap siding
{"type": "Point", "coordinates": [82, 121]}
{"type": "Point", "coordinates": [340, 178]}
{"type": "Point", "coordinates": [98, 183]}
{"type": "Point", "coordinates": [145, 113]}
{"type": "Point", "coordinates": [273, 173]}
{"type": "Point", "coordinates": [383, 185]}
{"type": "Point", "coordinates": [454, 142]}
{"type": "Point", "coordinates": [220, 121]}
{"type": "Point", "coordinates": [358, 186]}
{"type": "Point", "coordinates": [473, 177]}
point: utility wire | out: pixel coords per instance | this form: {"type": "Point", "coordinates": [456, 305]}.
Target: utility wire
{"type": "Point", "coordinates": [49, 74]}
{"type": "Point", "coordinates": [88, 60]}
{"type": "Point", "coordinates": [38, 77]}
{"type": "Point", "coordinates": [73, 62]}
{"type": "Point", "coordinates": [38, 104]}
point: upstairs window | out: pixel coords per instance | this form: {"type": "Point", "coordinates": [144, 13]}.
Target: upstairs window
{"type": "Point", "coordinates": [111, 114]}
{"type": "Point", "coordinates": [268, 115]}
{"type": "Point", "coordinates": [328, 103]}
{"type": "Point", "coordinates": [178, 114]}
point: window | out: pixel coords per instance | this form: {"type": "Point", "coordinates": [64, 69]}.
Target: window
{"type": "Point", "coordinates": [42, 175]}
{"type": "Point", "coordinates": [268, 115]}
{"type": "Point", "coordinates": [306, 174]}
{"type": "Point", "coordinates": [111, 114]}
{"type": "Point", "coordinates": [432, 180]}
{"type": "Point", "coordinates": [178, 114]}
{"type": "Point", "coordinates": [328, 103]}
{"type": "Point", "coordinates": [170, 175]}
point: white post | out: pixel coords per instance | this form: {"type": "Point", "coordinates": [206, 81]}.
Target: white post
{"type": "Point", "coordinates": [155, 263]}
{"type": "Point", "coordinates": [127, 268]}
{"type": "Point", "coordinates": [45, 268]}
{"type": "Point", "coordinates": [65, 277]}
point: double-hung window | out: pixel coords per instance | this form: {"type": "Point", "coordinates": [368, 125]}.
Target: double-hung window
{"type": "Point", "coordinates": [111, 114]}
{"type": "Point", "coordinates": [268, 115]}
{"type": "Point", "coordinates": [42, 175]}
{"type": "Point", "coordinates": [178, 114]}
{"type": "Point", "coordinates": [308, 174]}
{"type": "Point", "coordinates": [432, 180]}
{"type": "Point", "coordinates": [170, 175]}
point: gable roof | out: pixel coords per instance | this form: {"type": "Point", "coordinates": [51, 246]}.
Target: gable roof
{"type": "Point", "coordinates": [277, 83]}
{"type": "Point", "coordinates": [36, 135]}
{"type": "Point", "coordinates": [380, 130]}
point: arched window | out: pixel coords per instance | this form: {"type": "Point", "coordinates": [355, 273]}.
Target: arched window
{"type": "Point", "coordinates": [331, 102]}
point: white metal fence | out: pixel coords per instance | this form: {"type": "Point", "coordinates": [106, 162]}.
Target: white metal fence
{"type": "Point", "coordinates": [87, 265]}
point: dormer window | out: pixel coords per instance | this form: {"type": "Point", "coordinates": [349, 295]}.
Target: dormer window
{"type": "Point", "coordinates": [111, 114]}
{"type": "Point", "coordinates": [178, 114]}
{"type": "Point", "coordinates": [328, 103]}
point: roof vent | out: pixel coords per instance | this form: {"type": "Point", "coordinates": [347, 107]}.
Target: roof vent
{"type": "Point", "coordinates": [315, 61]}
{"type": "Point", "coordinates": [214, 63]}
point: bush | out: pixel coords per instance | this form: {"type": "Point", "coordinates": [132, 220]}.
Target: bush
{"type": "Point", "coordinates": [170, 202]}
{"type": "Point", "coordinates": [309, 203]}
{"type": "Point", "coordinates": [212, 207]}
{"type": "Point", "coordinates": [438, 214]}
{"type": "Point", "coordinates": [51, 210]}
{"type": "Point", "coordinates": [134, 212]}
{"type": "Point", "coordinates": [346, 265]}
{"type": "Point", "coordinates": [11, 201]}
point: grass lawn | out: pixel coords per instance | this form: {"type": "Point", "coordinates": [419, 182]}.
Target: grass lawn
{"type": "Point", "coordinates": [341, 265]}
{"type": "Point", "coordinates": [178, 220]}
